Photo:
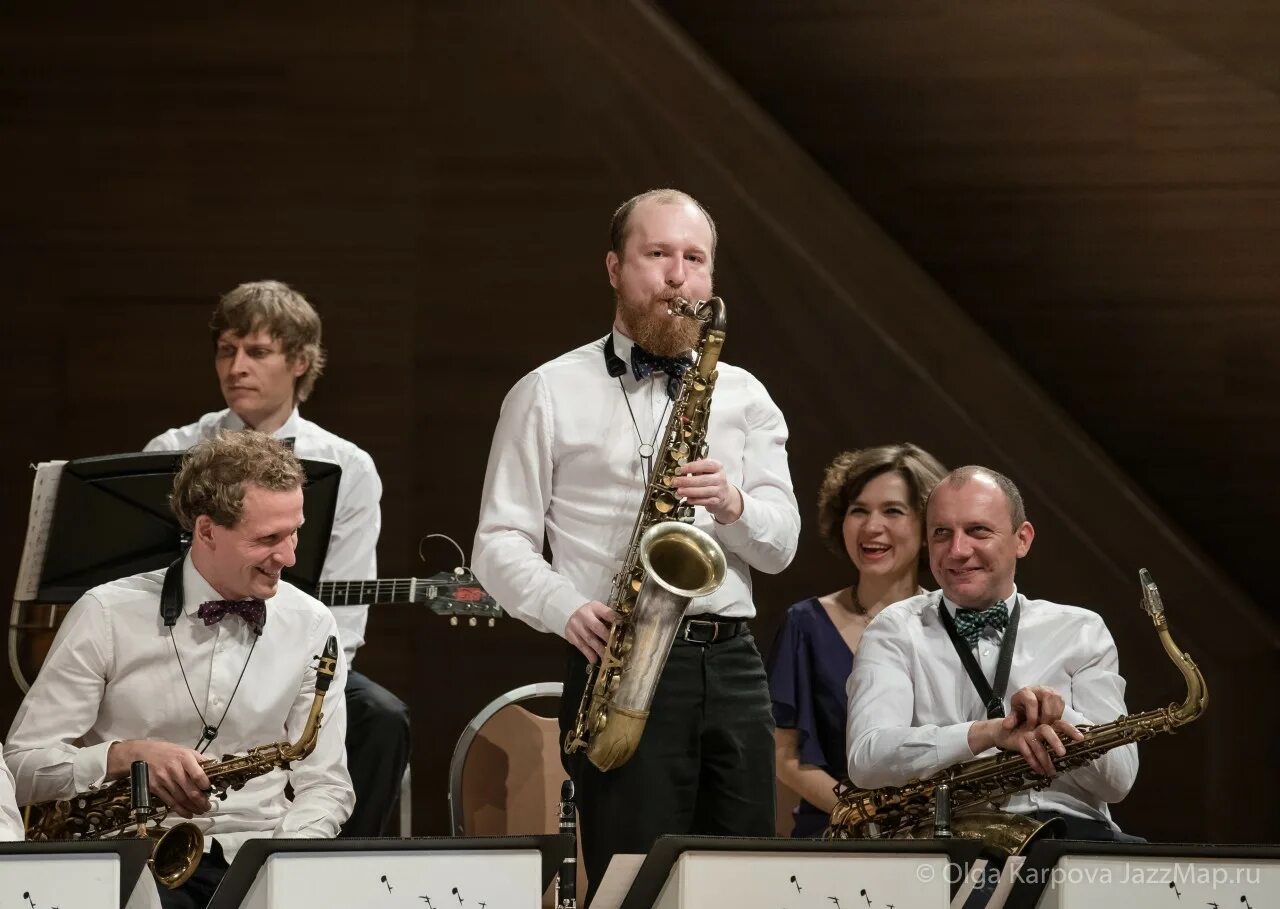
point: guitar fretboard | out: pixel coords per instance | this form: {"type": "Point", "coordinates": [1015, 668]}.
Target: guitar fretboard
{"type": "Point", "coordinates": [386, 590]}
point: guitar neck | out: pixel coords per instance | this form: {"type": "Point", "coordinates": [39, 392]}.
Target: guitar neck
{"type": "Point", "coordinates": [385, 590]}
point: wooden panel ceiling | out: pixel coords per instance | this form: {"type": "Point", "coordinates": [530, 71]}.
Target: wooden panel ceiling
{"type": "Point", "coordinates": [1096, 183]}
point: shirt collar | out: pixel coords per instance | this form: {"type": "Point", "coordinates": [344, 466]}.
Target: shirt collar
{"type": "Point", "coordinates": [622, 347]}
{"type": "Point", "coordinates": [196, 590]}
{"type": "Point", "coordinates": [952, 607]}
{"type": "Point", "coordinates": [289, 429]}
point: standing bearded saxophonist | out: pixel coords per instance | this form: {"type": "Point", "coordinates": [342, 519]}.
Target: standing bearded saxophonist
{"type": "Point", "coordinates": [569, 465]}
{"type": "Point", "coordinates": [234, 670]}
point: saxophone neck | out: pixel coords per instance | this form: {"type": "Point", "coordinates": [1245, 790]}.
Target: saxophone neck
{"type": "Point", "coordinates": [1197, 698]}
{"type": "Point", "coordinates": [325, 670]}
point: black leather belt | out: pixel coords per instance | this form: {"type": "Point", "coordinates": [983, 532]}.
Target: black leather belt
{"type": "Point", "coordinates": [710, 629]}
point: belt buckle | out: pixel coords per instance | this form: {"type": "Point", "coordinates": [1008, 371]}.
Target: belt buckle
{"type": "Point", "coordinates": [688, 626]}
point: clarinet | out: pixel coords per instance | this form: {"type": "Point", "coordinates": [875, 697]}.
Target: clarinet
{"type": "Point", "coordinates": [567, 877]}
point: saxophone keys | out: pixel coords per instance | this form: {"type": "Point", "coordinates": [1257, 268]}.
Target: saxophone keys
{"type": "Point", "coordinates": [666, 502]}
{"type": "Point", "coordinates": [599, 721]}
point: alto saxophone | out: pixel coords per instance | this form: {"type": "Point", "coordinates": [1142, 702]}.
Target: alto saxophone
{"type": "Point", "coordinates": [106, 813]}
{"type": "Point", "coordinates": [668, 563]}
{"type": "Point", "coordinates": [907, 812]}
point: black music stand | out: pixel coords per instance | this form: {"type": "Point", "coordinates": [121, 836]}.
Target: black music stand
{"type": "Point", "coordinates": [1044, 855]}
{"type": "Point", "coordinates": [133, 854]}
{"type": "Point", "coordinates": [112, 519]}
{"type": "Point", "coordinates": [653, 873]}
{"type": "Point", "coordinates": [243, 872]}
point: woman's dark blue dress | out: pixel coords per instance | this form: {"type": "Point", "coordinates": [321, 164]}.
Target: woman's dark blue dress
{"type": "Point", "coordinates": [808, 668]}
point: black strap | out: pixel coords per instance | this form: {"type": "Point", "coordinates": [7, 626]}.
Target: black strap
{"type": "Point", "coordinates": [992, 695]}
{"type": "Point", "coordinates": [171, 593]}
{"type": "Point", "coordinates": [170, 608]}
{"type": "Point", "coordinates": [612, 362]}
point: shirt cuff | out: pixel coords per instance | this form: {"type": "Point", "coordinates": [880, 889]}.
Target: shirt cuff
{"type": "Point", "coordinates": [89, 766]}
{"type": "Point", "coordinates": [1075, 717]}
{"type": "Point", "coordinates": [557, 611]}
{"type": "Point", "coordinates": [739, 532]}
{"type": "Point", "coordinates": [953, 744]}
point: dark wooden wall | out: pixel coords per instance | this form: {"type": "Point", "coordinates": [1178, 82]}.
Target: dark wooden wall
{"type": "Point", "coordinates": [1095, 182]}
{"type": "Point", "coordinates": [438, 179]}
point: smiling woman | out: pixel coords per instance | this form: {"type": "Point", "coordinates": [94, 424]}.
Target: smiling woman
{"type": "Point", "coordinates": [870, 510]}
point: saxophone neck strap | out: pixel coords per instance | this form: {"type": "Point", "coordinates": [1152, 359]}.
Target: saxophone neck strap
{"type": "Point", "coordinates": [992, 694]}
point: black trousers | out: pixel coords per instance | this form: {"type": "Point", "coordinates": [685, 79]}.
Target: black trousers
{"type": "Point", "coordinates": [198, 890]}
{"type": "Point", "coordinates": [705, 763]}
{"type": "Point", "coordinates": [377, 753]}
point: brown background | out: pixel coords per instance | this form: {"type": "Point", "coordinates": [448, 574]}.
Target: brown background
{"type": "Point", "coordinates": [1036, 237]}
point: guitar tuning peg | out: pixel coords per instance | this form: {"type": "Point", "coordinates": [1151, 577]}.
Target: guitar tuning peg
{"type": "Point", "coordinates": [459, 571]}
{"type": "Point", "coordinates": [453, 620]}
{"type": "Point", "coordinates": [472, 621]}
{"type": "Point", "coordinates": [490, 621]}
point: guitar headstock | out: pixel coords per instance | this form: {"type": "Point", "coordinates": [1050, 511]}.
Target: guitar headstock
{"type": "Point", "coordinates": [459, 595]}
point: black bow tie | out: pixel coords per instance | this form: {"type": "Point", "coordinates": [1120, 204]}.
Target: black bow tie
{"type": "Point", "coordinates": [252, 610]}
{"type": "Point", "coordinates": [645, 364]}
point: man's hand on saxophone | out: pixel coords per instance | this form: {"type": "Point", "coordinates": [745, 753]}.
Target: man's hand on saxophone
{"type": "Point", "coordinates": [175, 772]}
{"type": "Point", "coordinates": [1033, 728]}
{"type": "Point", "coordinates": [704, 483]}
{"type": "Point", "coordinates": [588, 629]}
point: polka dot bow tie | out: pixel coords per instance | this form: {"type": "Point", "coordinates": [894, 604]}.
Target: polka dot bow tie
{"type": "Point", "coordinates": [253, 611]}
{"type": "Point", "coordinates": [970, 622]}
{"type": "Point", "coordinates": [645, 364]}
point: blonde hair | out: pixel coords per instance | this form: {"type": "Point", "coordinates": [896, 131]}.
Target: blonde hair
{"type": "Point", "coordinates": [283, 313]}
{"type": "Point", "coordinates": [216, 472]}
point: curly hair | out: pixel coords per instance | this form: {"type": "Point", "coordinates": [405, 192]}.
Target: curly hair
{"type": "Point", "coordinates": [215, 473]}
{"type": "Point", "coordinates": [851, 471]}
{"type": "Point", "coordinates": [283, 313]}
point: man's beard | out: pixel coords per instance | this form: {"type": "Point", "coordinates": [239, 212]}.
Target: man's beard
{"type": "Point", "coordinates": [657, 332]}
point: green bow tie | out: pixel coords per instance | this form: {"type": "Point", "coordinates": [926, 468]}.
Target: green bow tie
{"type": "Point", "coordinates": [970, 622]}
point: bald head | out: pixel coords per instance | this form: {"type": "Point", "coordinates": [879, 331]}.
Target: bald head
{"type": "Point", "coordinates": [622, 217]}
{"type": "Point", "coordinates": [974, 473]}
{"type": "Point", "coordinates": [976, 530]}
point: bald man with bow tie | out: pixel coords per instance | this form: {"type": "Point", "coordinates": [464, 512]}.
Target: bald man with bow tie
{"type": "Point", "coordinates": [948, 676]}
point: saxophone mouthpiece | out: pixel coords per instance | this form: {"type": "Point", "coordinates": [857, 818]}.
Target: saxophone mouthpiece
{"type": "Point", "coordinates": [1151, 601]}
{"type": "Point", "coordinates": [140, 795]}
{"type": "Point", "coordinates": [328, 664]}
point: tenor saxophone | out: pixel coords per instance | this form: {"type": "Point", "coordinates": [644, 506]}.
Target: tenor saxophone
{"type": "Point", "coordinates": [668, 563]}
{"type": "Point", "coordinates": [907, 812]}
{"type": "Point", "coordinates": [106, 813]}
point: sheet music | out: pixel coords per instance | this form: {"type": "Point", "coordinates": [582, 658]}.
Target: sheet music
{"type": "Point", "coordinates": [44, 494]}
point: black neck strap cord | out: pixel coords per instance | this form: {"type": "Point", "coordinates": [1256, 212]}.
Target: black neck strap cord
{"type": "Point", "coordinates": [617, 368]}
{"type": "Point", "coordinates": [170, 609]}
{"type": "Point", "coordinates": [992, 695]}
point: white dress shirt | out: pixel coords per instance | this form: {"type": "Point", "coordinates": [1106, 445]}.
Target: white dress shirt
{"type": "Point", "coordinates": [11, 827]}
{"type": "Point", "coordinates": [357, 519]}
{"type": "Point", "coordinates": [112, 675]}
{"type": "Point", "coordinates": [911, 702]}
{"type": "Point", "coordinates": [565, 467]}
